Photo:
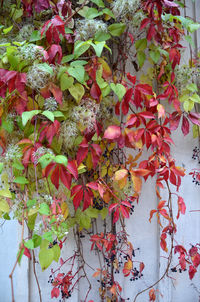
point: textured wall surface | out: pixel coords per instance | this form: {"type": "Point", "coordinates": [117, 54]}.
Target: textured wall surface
{"type": "Point", "coordinates": [143, 234]}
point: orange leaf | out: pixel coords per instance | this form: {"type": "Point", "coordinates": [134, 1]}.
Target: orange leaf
{"type": "Point", "coordinates": [127, 268]}
{"type": "Point", "coordinates": [137, 183]}
{"type": "Point", "coordinates": [152, 295]}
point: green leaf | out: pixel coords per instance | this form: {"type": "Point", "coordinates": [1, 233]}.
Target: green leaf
{"type": "Point", "coordinates": [188, 105]}
{"type": "Point", "coordinates": [155, 56]}
{"type": "Point", "coordinates": [18, 165]}
{"type": "Point", "coordinates": [193, 27]}
{"type": "Point", "coordinates": [28, 115]}
{"type": "Point", "coordinates": [78, 72]}
{"type": "Point", "coordinates": [6, 216]}
{"type": "Point", "coordinates": [92, 13]}
{"type": "Point", "coordinates": [141, 57]}
{"type": "Point", "coordinates": [45, 67]}
{"type": "Point", "coordinates": [4, 207]}
{"type": "Point", "coordinates": [101, 36]}
{"type": "Point", "coordinates": [21, 180]}
{"type": "Point", "coordinates": [104, 213]}
{"type": "Point", "coordinates": [29, 244]}
{"type": "Point", "coordinates": [61, 159]}
{"type": "Point", "coordinates": [78, 62]}
{"type": "Point", "coordinates": [195, 98]}
{"type": "Point", "coordinates": [92, 213]}
{"type": "Point", "coordinates": [99, 3]}
{"type": "Point", "coordinates": [31, 221]}
{"type": "Point", "coordinates": [46, 256]}
{"type": "Point", "coordinates": [35, 36]}
{"type": "Point", "coordinates": [196, 131]}
{"type": "Point", "coordinates": [31, 203]}
{"type": "Point", "coordinates": [7, 30]}
{"type": "Point", "coordinates": [98, 47]}
{"type": "Point", "coordinates": [16, 13]}
{"type": "Point", "coordinates": [117, 29]}
{"type": "Point", "coordinates": [119, 90]}
{"type": "Point", "coordinates": [49, 115]}
{"type": "Point", "coordinates": [85, 221]}
{"type": "Point", "coordinates": [66, 82]}
{"type": "Point", "coordinates": [141, 44]}
{"type": "Point", "coordinates": [37, 240]}
{"type": "Point", "coordinates": [44, 209]}
{"type": "Point", "coordinates": [1, 167]}
{"type": "Point", "coordinates": [189, 40]}
{"type": "Point", "coordinates": [56, 252]}
{"type": "Point", "coordinates": [192, 87]}
{"type": "Point", "coordinates": [48, 236]}
{"type": "Point", "coordinates": [77, 91]}
{"type": "Point", "coordinates": [80, 47]}
{"type": "Point", "coordinates": [8, 125]}
{"type": "Point", "coordinates": [58, 114]}
{"type": "Point", "coordinates": [108, 12]}
{"type": "Point", "coordinates": [67, 59]}
{"type": "Point", "coordinates": [45, 159]}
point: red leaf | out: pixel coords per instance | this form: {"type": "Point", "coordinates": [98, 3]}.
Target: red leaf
{"type": "Point", "coordinates": [147, 114]}
{"type": "Point", "coordinates": [87, 199]}
{"type": "Point", "coordinates": [27, 253]}
{"type": "Point", "coordinates": [55, 177]}
{"type": "Point", "coordinates": [72, 167]}
{"type": "Point", "coordinates": [192, 271]}
{"type": "Point", "coordinates": [185, 126]}
{"type": "Point", "coordinates": [112, 132]}
{"type": "Point", "coordinates": [194, 118]}
{"type": "Point", "coordinates": [196, 260]}
{"type": "Point", "coordinates": [93, 185]}
{"type": "Point", "coordinates": [55, 292]}
{"type": "Point", "coordinates": [82, 151]}
{"type": "Point", "coordinates": [55, 54]}
{"type": "Point", "coordinates": [170, 3]}
{"type": "Point", "coordinates": [95, 91]}
{"type": "Point", "coordinates": [151, 32]}
{"type": "Point", "coordinates": [57, 92]}
{"type": "Point", "coordinates": [65, 177]}
{"type": "Point", "coordinates": [181, 206]}
{"type": "Point", "coordinates": [144, 23]}
{"type": "Point", "coordinates": [131, 78]}
{"type": "Point", "coordinates": [124, 211]}
{"type": "Point", "coordinates": [77, 199]}
{"type": "Point", "coordinates": [145, 89]}
{"type": "Point", "coordinates": [49, 168]}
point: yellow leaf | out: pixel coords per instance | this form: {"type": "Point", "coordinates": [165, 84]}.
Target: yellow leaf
{"type": "Point", "coordinates": [89, 162]}
{"type": "Point", "coordinates": [4, 207]}
{"type": "Point", "coordinates": [65, 210]}
{"type": "Point", "coordinates": [121, 178]}
{"type": "Point", "coordinates": [103, 171]}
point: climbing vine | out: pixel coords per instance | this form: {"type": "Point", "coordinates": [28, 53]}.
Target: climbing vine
{"type": "Point", "coordinates": [86, 88]}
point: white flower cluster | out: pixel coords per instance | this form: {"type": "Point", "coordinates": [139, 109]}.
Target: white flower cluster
{"type": "Point", "coordinates": [30, 52]}
{"type": "Point", "coordinates": [13, 153]}
{"type": "Point", "coordinates": [185, 75]}
{"type": "Point", "coordinates": [69, 133]}
{"type": "Point", "coordinates": [40, 152]}
{"type": "Point", "coordinates": [37, 78]}
{"type": "Point", "coordinates": [105, 112]}
{"type": "Point", "coordinates": [86, 113]}
{"type": "Point", "coordinates": [50, 104]}
{"type": "Point", "coordinates": [86, 29]}
{"type": "Point", "coordinates": [122, 8]}
{"type": "Point", "coordinates": [25, 32]}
